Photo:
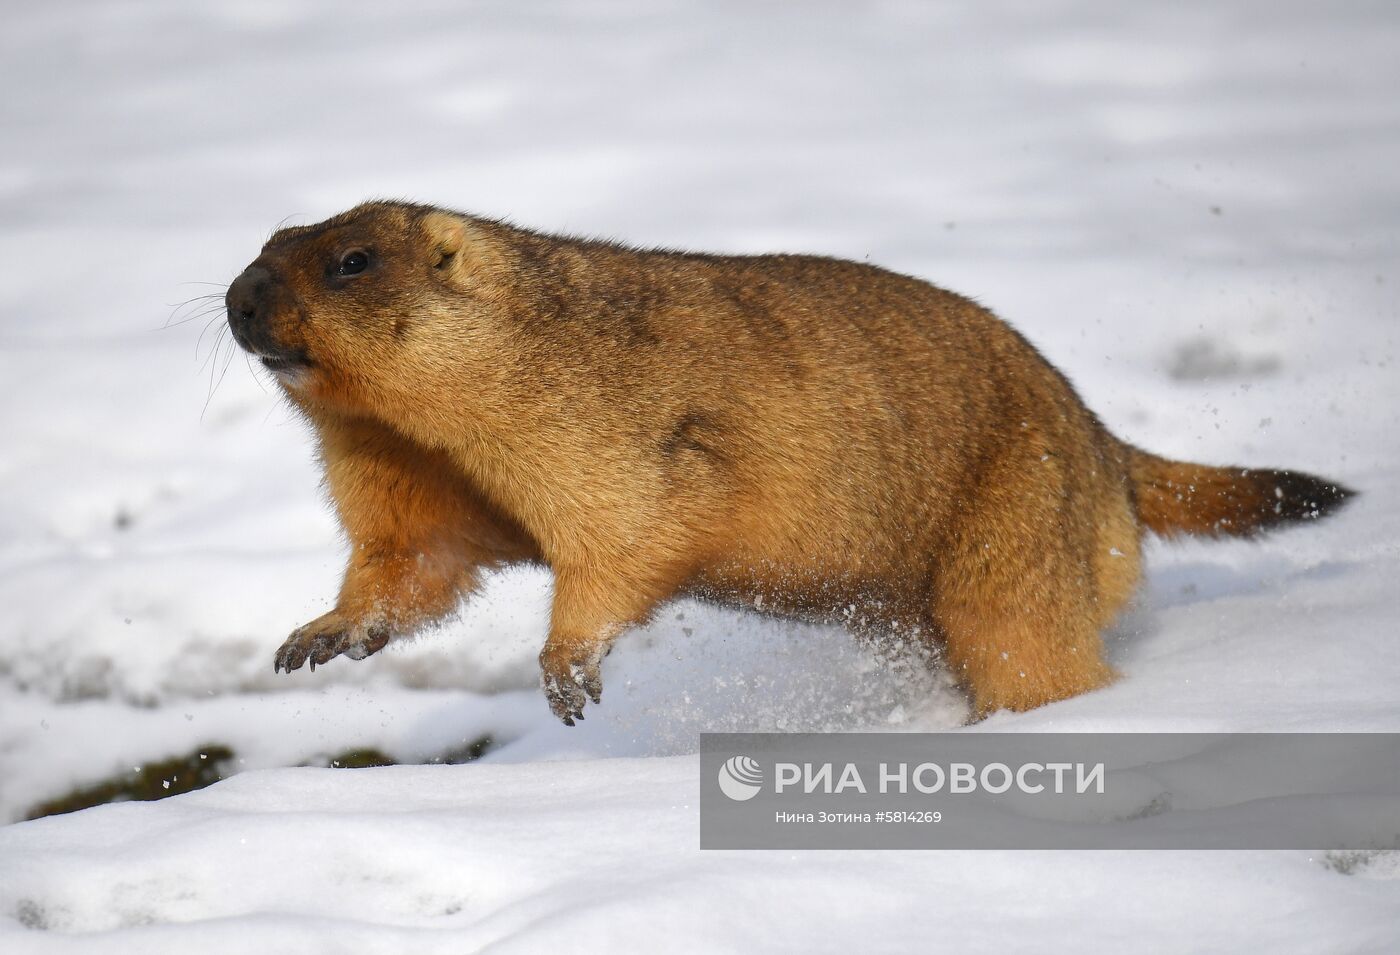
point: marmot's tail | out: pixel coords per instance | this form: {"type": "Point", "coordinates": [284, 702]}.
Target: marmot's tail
{"type": "Point", "coordinates": [1176, 497]}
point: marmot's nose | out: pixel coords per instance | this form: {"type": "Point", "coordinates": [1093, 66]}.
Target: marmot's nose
{"type": "Point", "coordinates": [246, 298]}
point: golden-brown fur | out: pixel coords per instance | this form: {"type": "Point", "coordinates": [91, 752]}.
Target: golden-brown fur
{"type": "Point", "coordinates": [807, 435]}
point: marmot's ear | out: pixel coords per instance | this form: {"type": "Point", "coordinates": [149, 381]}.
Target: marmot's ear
{"type": "Point", "coordinates": [446, 237]}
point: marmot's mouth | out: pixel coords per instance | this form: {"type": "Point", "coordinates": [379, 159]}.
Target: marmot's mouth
{"type": "Point", "coordinates": [276, 363]}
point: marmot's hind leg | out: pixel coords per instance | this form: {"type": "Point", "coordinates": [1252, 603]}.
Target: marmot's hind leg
{"type": "Point", "coordinates": [1116, 559]}
{"type": "Point", "coordinates": [1016, 599]}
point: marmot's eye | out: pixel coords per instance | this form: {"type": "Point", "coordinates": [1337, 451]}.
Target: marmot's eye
{"type": "Point", "coordinates": [353, 264]}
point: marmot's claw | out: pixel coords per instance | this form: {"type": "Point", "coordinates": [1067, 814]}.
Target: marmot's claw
{"type": "Point", "coordinates": [593, 686]}
{"type": "Point", "coordinates": [326, 638]}
{"type": "Point", "coordinates": [292, 654]}
{"type": "Point", "coordinates": [571, 677]}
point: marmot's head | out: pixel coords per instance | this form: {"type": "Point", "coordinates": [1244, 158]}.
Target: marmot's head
{"type": "Point", "coordinates": [331, 308]}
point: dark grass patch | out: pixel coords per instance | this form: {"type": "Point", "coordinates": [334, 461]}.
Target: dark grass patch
{"type": "Point", "coordinates": [209, 764]}
{"type": "Point", "coordinates": [167, 777]}
{"type": "Point", "coordinates": [369, 757]}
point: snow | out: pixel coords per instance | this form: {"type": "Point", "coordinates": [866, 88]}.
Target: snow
{"type": "Point", "coordinates": [1191, 210]}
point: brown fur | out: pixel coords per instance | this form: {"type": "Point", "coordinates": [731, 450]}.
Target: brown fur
{"type": "Point", "coordinates": [811, 436]}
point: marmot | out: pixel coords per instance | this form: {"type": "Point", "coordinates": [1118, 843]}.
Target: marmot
{"type": "Point", "coordinates": [812, 436]}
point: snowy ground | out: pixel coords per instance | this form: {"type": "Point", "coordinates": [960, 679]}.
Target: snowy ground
{"type": "Point", "coordinates": [1191, 209]}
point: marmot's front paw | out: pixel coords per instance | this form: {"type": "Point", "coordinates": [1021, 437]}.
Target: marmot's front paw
{"type": "Point", "coordinates": [572, 675]}
{"type": "Point", "coordinates": [327, 637]}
